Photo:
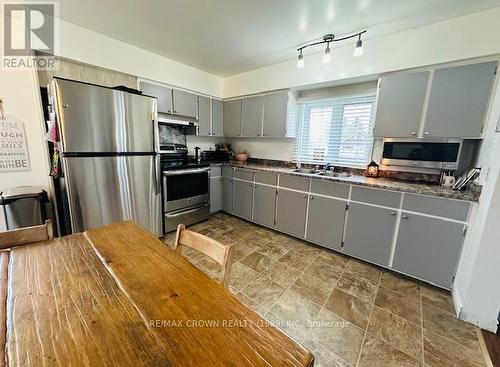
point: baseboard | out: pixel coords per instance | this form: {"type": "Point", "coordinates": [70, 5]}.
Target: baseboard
{"type": "Point", "coordinates": [457, 301]}
{"type": "Point", "coordinates": [483, 323]}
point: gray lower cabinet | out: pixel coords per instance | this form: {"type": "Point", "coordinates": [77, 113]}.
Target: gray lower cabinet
{"type": "Point", "coordinates": [369, 233]}
{"type": "Point", "coordinates": [428, 248]}
{"type": "Point", "coordinates": [291, 212]}
{"type": "Point", "coordinates": [204, 116]}
{"type": "Point", "coordinates": [251, 116]}
{"type": "Point", "coordinates": [400, 104]}
{"type": "Point", "coordinates": [215, 194]}
{"type": "Point", "coordinates": [227, 194]}
{"type": "Point", "coordinates": [185, 103]}
{"type": "Point", "coordinates": [232, 118]}
{"type": "Point", "coordinates": [217, 118]}
{"type": "Point", "coordinates": [458, 100]}
{"type": "Point", "coordinates": [162, 94]}
{"type": "Point", "coordinates": [242, 199]}
{"type": "Point", "coordinates": [325, 221]}
{"type": "Point", "coordinates": [264, 203]}
{"type": "Point", "coordinates": [275, 115]}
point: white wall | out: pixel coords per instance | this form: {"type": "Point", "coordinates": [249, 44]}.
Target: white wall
{"type": "Point", "coordinates": [459, 38]}
{"type": "Point", "coordinates": [19, 92]}
{"type": "Point", "coordinates": [275, 149]}
{"type": "Point", "coordinates": [90, 47]}
{"type": "Point", "coordinates": [475, 287]}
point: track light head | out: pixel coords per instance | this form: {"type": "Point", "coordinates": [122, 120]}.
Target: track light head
{"type": "Point", "coordinates": [300, 60]}
{"type": "Point", "coordinates": [358, 51]}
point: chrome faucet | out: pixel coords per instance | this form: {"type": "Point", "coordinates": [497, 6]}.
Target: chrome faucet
{"type": "Point", "coordinates": [329, 167]}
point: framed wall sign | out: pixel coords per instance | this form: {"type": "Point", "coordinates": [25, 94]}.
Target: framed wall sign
{"type": "Point", "coordinates": [13, 148]}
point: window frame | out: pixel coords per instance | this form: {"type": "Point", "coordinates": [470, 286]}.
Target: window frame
{"type": "Point", "coordinates": [303, 106]}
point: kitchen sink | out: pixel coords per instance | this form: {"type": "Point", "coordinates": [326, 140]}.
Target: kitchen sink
{"type": "Point", "coordinates": [334, 174]}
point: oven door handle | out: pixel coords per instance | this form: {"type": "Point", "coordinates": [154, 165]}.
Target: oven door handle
{"type": "Point", "coordinates": [185, 171]}
{"type": "Point", "coordinates": [183, 212]}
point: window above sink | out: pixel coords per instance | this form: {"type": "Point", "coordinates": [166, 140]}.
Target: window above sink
{"type": "Point", "coordinates": [337, 131]}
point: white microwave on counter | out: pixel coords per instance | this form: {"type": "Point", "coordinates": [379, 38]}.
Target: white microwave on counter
{"type": "Point", "coordinates": [439, 154]}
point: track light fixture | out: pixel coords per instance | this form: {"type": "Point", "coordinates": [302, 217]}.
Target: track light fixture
{"type": "Point", "coordinates": [327, 38]}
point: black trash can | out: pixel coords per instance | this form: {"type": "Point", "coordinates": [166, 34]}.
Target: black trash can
{"type": "Point", "coordinates": [23, 206]}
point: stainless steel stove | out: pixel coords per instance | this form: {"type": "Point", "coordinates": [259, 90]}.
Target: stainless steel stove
{"type": "Point", "coordinates": [186, 187]}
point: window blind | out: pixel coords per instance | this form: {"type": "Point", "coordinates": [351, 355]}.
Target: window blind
{"type": "Point", "coordinates": [337, 131]}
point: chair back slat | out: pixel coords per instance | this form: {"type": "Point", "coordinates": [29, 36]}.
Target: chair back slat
{"type": "Point", "coordinates": [21, 236]}
{"type": "Point", "coordinates": [214, 249]}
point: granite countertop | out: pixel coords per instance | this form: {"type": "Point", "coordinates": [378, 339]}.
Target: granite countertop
{"type": "Point", "coordinates": [381, 183]}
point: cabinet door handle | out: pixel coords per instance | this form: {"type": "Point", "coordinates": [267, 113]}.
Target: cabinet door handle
{"type": "Point", "coordinates": [311, 197]}
{"type": "Point", "coordinates": [175, 111]}
{"type": "Point", "coordinates": [304, 196]}
{"type": "Point", "coordinates": [404, 216]}
{"type": "Point", "coordinates": [413, 133]}
{"type": "Point", "coordinates": [250, 185]}
{"type": "Point", "coordinates": [393, 213]}
{"type": "Point", "coordinates": [258, 134]}
{"type": "Point", "coordinates": [427, 133]}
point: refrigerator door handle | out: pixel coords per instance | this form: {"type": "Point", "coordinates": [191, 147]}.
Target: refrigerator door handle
{"type": "Point", "coordinates": [157, 175]}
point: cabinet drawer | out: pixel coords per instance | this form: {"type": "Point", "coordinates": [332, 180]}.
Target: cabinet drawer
{"type": "Point", "coordinates": [243, 174]}
{"type": "Point", "coordinates": [375, 196]}
{"type": "Point", "coordinates": [440, 207]}
{"type": "Point", "coordinates": [330, 188]}
{"type": "Point", "coordinates": [227, 171]}
{"type": "Point", "coordinates": [294, 182]}
{"type": "Point", "coordinates": [215, 171]}
{"type": "Point", "coordinates": [266, 178]}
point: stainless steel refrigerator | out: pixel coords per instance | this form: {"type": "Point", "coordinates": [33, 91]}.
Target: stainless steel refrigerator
{"type": "Point", "coordinates": [110, 155]}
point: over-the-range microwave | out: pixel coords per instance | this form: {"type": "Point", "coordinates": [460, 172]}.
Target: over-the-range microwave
{"type": "Point", "coordinates": [442, 154]}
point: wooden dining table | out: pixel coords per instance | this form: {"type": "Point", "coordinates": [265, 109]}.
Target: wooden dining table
{"type": "Point", "coordinates": [118, 296]}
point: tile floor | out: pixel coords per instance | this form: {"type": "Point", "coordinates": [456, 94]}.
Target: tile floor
{"type": "Point", "coordinates": [348, 313]}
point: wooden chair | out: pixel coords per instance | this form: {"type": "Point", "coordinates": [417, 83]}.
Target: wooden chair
{"type": "Point", "coordinates": [21, 236]}
{"type": "Point", "coordinates": [208, 246]}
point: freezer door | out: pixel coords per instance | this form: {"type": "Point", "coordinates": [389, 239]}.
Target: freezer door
{"type": "Point", "coordinates": [99, 119]}
{"type": "Point", "coordinates": [103, 190]}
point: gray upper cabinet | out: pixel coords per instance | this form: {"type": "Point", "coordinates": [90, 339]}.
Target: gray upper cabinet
{"type": "Point", "coordinates": [251, 116]}
{"type": "Point", "coordinates": [325, 221]}
{"type": "Point", "coordinates": [291, 212]}
{"type": "Point", "coordinates": [215, 194]}
{"type": "Point", "coordinates": [458, 100]}
{"type": "Point", "coordinates": [185, 104]}
{"type": "Point", "coordinates": [204, 116]}
{"type": "Point", "coordinates": [264, 203]}
{"type": "Point", "coordinates": [400, 104]}
{"type": "Point", "coordinates": [275, 115]}
{"type": "Point", "coordinates": [162, 94]}
{"type": "Point", "coordinates": [217, 118]}
{"type": "Point", "coordinates": [428, 248]}
{"type": "Point", "coordinates": [227, 194]}
{"type": "Point", "coordinates": [242, 199]}
{"type": "Point", "coordinates": [232, 118]}
{"type": "Point", "coordinates": [369, 232]}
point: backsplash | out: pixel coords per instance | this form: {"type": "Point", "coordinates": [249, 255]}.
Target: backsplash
{"type": "Point", "coordinates": [395, 175]}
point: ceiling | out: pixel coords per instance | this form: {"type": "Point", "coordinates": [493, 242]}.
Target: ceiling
{"type": "Point", "coordinates": [226, 37]}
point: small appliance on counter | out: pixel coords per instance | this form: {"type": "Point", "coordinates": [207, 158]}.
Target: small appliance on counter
{"type": "Point", "coordinates": [215, 156]}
